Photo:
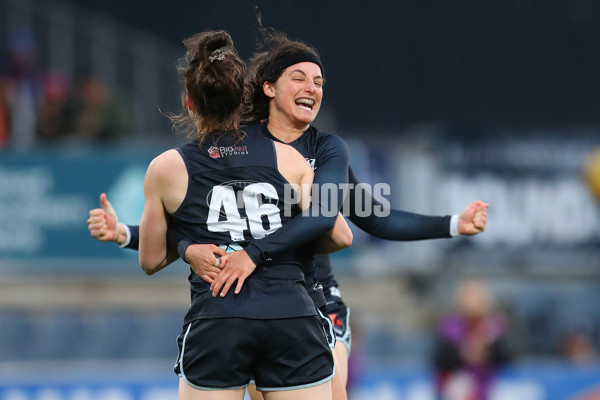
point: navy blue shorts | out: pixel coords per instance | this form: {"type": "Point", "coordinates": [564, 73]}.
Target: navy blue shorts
{"type": "Point", "coordinates": [315, 291]}
{"type": "Point", "coordinates": [339, 314]}
{"type": "Point", "coordinates": [278, 354]}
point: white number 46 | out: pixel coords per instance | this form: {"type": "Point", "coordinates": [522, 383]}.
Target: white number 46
{"type": "Point", "coordinates": [223, 198]}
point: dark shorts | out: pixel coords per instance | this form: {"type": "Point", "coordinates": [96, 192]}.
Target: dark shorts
{"type": "Point", "coordinates": [327, 328]}
{"type": "Point", "coordinates": [339, 314]}
{"type": "Point", "coordinates": [278, 354]}
{"type": "Point", "coordinates": [315, 291]}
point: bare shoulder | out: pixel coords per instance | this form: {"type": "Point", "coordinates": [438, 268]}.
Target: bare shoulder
{"type": "Point", "coordinates": [167, 177]}
{"type": "Point", "coordinates": [167, 172]}
{"type": "Point", "coordinates": [166, 164]}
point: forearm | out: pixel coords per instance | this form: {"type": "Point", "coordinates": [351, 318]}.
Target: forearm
{"type": "Point", "coordinates": [302, 230]}
{"type": "Point", "coordinates": [170, 256]}
{"type": "Point", "coordinates": [378, 219]}
{"type": "Point", "coordinates": [405, 226]}
{"type": "Point", "coordinates": [130, 238]}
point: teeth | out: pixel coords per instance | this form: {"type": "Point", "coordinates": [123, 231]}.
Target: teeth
{"type": "Point", "coordinates": [308, 102]}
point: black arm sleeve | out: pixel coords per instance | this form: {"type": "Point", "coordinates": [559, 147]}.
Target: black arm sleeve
{"type": "Point", "coordinates": [134, 241]}
{"type": "Point", "coordinates": [332, 169]}
{"type": "Point", "coordinates": [178, 240]}
{"type": "Point", "coordinates": [174, 239]}
{"type": "Point", "coordinates": [398, 225]}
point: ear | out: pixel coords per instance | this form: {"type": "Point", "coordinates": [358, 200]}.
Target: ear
{"type": "Point", "coordinates": [188, 102]}
{"type": "Point", "coordinates": [268, 90]}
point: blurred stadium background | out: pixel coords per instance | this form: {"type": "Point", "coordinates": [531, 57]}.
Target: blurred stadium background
{"type": "Point", "coordinates": [449, 102]}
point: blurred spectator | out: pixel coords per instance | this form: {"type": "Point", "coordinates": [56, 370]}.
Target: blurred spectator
{"type": "Point", "coordinates": [97, 118]}
{"type": "Point", "coordinates": [20, 86]}
{"type": "Point", "coordinates": [470, 345]}
{"type": "Point", "coordinates": [54, 114]}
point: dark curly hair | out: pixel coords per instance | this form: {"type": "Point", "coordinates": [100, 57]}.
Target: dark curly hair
{"type": "Point", "coordinates": [272, 45]}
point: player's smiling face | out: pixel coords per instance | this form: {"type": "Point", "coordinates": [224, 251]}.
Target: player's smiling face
{"type": "Point", "coordinates": [297, 93]}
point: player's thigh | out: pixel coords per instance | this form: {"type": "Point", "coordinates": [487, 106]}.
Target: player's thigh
{"type": "Point", "coordinates": [253, 393]}
{"type": "Point", "coordinates": [186, 392]}
{"type": "Point", "coordinates": [338, 383]}
{"type": "Point", "coordinates": [318, 392]}
{"type": "Point", "coordinates": [341, 361]}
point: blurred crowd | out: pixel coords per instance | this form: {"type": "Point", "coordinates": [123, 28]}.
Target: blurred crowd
{"type": "Point", "coordinates": [45, 107]}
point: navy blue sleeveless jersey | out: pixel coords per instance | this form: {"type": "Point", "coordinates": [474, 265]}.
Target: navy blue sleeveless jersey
{"type": "Point", "coordinates": [236, 195]}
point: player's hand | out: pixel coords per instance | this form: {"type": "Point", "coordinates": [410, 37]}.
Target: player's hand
{"type": "Point", "coordinates": [103, 223]}
{"type": "Point", "coordinates": [203, 260]}
{"type": "Point", "coordinates": [472, 220]}
{"type": "Point", "coordinates": [238, 267]}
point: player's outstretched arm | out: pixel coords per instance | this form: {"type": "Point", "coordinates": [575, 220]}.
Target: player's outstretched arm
{"type": "Point", "coordinates": [406, 226]}
{"type": "Point", "coordinates": [103, 223]}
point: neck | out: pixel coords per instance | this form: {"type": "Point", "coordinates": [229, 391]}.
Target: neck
{"type": "Point", "coordinates": [286, 132]}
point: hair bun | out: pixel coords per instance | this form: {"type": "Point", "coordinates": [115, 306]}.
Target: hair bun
{"type": "Point", "coordinates": [217, 55]}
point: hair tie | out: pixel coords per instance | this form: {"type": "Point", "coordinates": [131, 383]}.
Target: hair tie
{"type": "Point", "coordinates": [218, 54]}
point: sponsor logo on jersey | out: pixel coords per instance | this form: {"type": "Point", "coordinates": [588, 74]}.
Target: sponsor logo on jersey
{"type": "Point", "coordinates": [311, 162]}
{"type": "Point", "coordinates": [226, 151]}
{"type": "Point", "coordinates": [213, 152]}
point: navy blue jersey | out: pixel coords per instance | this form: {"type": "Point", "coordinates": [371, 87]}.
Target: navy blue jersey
{"type": "Point", "coordinates": [235, 195]}
{"type": "Point", "coordinates": [235, 192]}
